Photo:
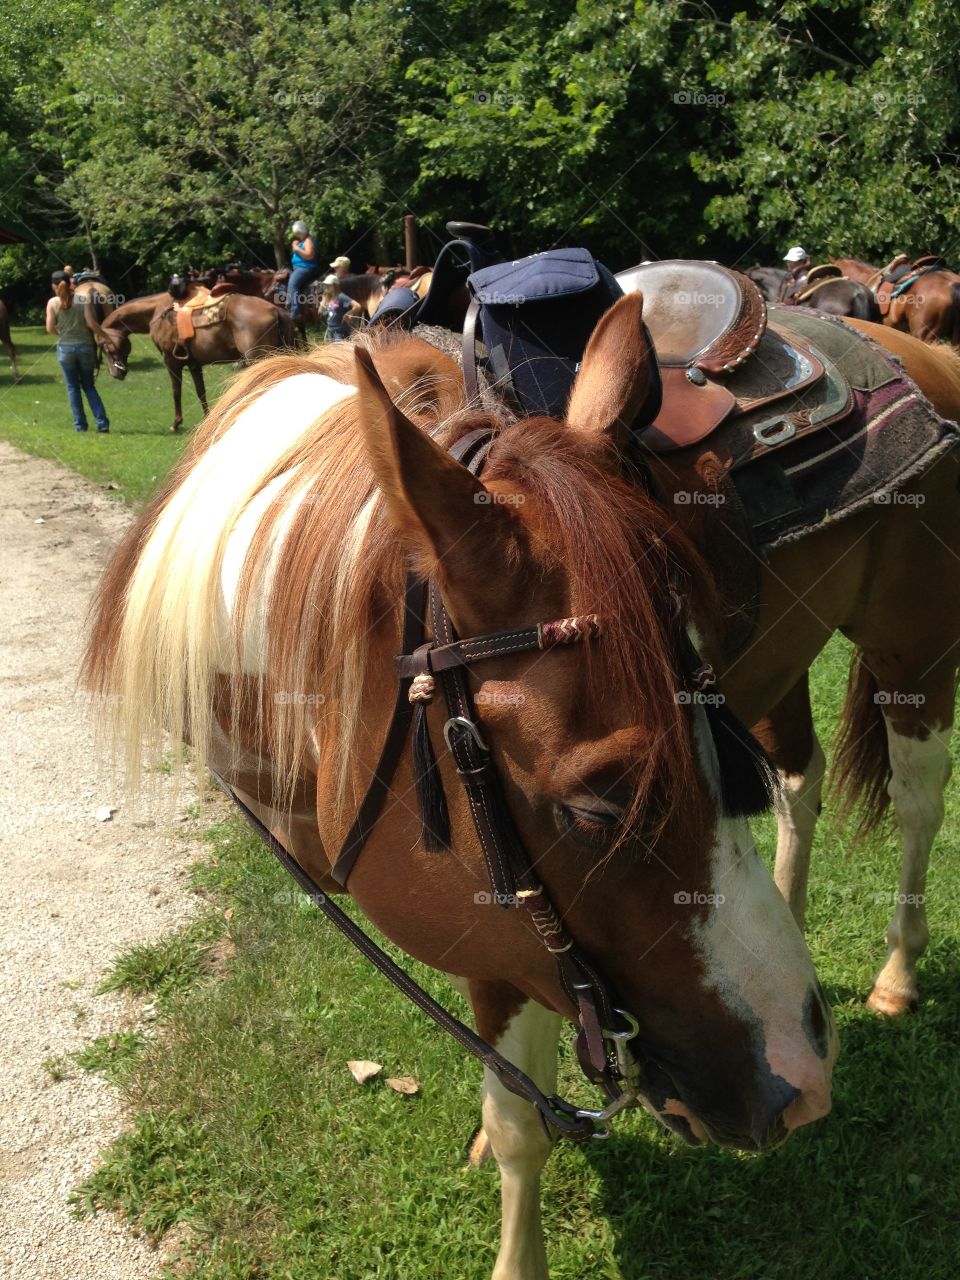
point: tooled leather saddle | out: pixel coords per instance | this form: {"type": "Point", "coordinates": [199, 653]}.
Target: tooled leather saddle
{"type": "Point", "coordinates": [725, 363]}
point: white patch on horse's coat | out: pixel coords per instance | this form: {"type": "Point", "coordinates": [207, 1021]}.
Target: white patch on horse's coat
{"type": "Point", "coordinates": [798, 806]}
{"type": "Point", "coordinates": [919, 772]}
{"type": "Point", "coordinates": [747, 912]}
{"type": "Point", "coordinates": [520, 1146]}
{"type": "Point", "coordinates": [184, 586]}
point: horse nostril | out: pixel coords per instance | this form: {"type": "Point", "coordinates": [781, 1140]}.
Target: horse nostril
{"type": "Point", "coordinates": [816, 1021]}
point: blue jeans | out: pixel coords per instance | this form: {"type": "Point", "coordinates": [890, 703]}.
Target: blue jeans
{"type": "Point", "coordinates": [300, 278]}
{"type": "Point", "coordinates": [77, 362]}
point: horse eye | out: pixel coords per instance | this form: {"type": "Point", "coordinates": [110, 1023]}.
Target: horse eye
{"type": "Point", "coordinates": [589, 825]}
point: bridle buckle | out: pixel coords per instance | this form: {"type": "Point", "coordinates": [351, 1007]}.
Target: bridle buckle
{"type": "Point", "coordinates": [462, 725]}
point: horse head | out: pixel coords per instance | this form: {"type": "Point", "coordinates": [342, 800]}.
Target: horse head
{"type": "Point", "coordinates": [114, 342]}
{"type": "Point", "coordinates": [616, 777]}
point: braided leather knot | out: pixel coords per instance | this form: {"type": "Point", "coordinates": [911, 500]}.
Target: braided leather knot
{"type": "Point", "coordinates": [422, 688]}
{"type": "Point", "coordinates": [569, 630]}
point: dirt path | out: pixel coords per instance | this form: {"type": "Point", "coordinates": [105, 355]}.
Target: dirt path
{"type": "Point", "coordinates": [74, 889]}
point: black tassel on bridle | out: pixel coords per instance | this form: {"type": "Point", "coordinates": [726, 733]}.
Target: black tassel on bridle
{"type": "Point", "coordinates": [434, 819]}
{"type": "Point", "coordinates": [748, 778]}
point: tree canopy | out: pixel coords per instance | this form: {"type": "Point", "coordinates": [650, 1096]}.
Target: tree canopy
{"type": "Point", "coordinates": [153, 134]}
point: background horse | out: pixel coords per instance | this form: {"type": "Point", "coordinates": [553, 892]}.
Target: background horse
{"type": "Point", "coordinates": [929, 309]}
{"type": "Point", "coordinates": [7, 342]}
{"type": "Point", "coordinates": [769, 280]}
{"type": "Point", "coordinates": [840, 297]}
{"type": "Point", "coordinates": [249, 329]}
{"type": "Point", "coordinates": [256, 605]}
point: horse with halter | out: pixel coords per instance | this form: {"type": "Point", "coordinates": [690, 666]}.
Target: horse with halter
{"type": "Point", "coordinates": [559, 631]}
{"type": "Point", "coordinates": [7, 342]}
{"type": "Point", "coordinates": [922, 298]}
{"type": "Point", "coordinates": [242, 328]}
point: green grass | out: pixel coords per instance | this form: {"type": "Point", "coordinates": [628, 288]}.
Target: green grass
{"type": "Point", "coordinates": [248, 1128]}
{"type": "Point", "coordinates": [140, 449]}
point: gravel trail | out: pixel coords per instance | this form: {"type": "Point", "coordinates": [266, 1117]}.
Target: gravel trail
{"type": "Point", "coordinates": [75, 890]}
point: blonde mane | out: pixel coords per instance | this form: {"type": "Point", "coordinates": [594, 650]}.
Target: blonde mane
{"type": "Point", "coordinates": [269, 559]}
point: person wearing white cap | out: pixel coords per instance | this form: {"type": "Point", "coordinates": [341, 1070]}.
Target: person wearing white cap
{"type": "Point", "coordinates": [798, 264]}
{"type": "Point", "coordinates": [338, 308]}
{"type": "Point", "coordinates": [303, 266]}
{"type": "Point", "coordinates": [341, 266]}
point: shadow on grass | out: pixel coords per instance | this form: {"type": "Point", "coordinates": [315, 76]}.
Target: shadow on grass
{"type": "Point", "coordinates": [870, 1190]}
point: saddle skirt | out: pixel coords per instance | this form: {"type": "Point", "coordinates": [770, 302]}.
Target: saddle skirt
{"type": "Point", "coordinates": [201, 310]}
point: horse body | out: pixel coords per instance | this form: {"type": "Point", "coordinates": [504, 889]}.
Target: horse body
{"type": "Point", "coordinates": [256, 602]}
{"type": "Point", "coordinates": [840, 297]}
{"type": "Point", "coordinates": [7, 342]}
{"type": "Point", "coordinates": [929, 309]}
{"type": "Point", "coordinates": [250, 328]}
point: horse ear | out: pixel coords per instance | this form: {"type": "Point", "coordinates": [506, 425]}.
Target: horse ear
{"type": "Point", "coordinates": [441, 508]}
{"type": "Point", "coordinates": [615, 376]}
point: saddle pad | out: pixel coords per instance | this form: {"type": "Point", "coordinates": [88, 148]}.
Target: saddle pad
{"type": "Point", "coordinates": [890, 435]}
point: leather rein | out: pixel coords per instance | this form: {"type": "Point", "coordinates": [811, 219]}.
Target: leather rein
{"type": "Point", "coordinates": [604, 1028]}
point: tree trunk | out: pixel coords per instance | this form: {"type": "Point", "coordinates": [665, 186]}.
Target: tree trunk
{"type": "Point", "coordinates": [281, 250]}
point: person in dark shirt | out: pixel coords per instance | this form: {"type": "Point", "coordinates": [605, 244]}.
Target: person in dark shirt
{"type": "Point", "coordinates": [338, 308]}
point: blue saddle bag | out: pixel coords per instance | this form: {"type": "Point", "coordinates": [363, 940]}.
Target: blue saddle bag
{"type": "Point", "coordinates": [534, 317]}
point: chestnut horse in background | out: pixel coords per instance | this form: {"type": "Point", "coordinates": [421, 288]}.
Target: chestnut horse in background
{"type": "Point", "coordinates": [256, 608]}
{"type": "Point", "coordinates": [929, 309]}
{"type": "Point", "coordinates": [7, 342]}
{"type": "Point", "coordinates": [250, 328]}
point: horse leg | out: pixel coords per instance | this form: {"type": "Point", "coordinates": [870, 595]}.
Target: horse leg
{"type": "Point", "coordinates": [175, 369]}
{"type": "Point", "coordinates": [918, 719]}
{"type": "Point", "coordinates": [196, 372]}
{"type": "Point", "coordinates": [529, 1038]}
{"type": "Point", "coordinates": [790, 738]}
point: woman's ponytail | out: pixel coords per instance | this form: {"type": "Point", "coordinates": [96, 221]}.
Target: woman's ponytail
{"type": "Point", "coordinates": [64, 293]}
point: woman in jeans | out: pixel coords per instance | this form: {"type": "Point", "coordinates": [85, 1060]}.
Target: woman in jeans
{"type": "Point", "coordinates": [72, 322]}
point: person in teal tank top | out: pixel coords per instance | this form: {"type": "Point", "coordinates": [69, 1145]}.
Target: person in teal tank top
{"type": "Point", "coordinates": [303, 267]}
{"type": "Point", "coordinates": [72, 322]}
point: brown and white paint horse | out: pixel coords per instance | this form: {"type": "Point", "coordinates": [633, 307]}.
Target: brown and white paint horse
{"type": "Point", "coordinates": [889, 580]}
{"type": "Point", "coordinates": [254, 607]}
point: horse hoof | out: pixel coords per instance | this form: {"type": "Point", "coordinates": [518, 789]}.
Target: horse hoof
{"type": "Point", "coordinates": [889, 1004]}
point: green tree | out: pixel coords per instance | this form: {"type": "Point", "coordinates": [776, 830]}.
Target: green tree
{"type": "Point", "coordinates": [237, 117]}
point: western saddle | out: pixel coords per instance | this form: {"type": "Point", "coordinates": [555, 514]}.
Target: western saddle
{"type": "Point", "coordinates": [706, 322]}
{"type": "Point", "coordinates": [900, 274]}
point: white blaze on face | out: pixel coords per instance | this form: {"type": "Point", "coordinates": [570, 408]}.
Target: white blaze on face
{"type": "Point", "coordinates": [754, 955]}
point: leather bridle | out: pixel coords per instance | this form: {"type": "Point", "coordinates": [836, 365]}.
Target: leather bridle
{"type": "Point", "coordinates": [605, 1029]}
